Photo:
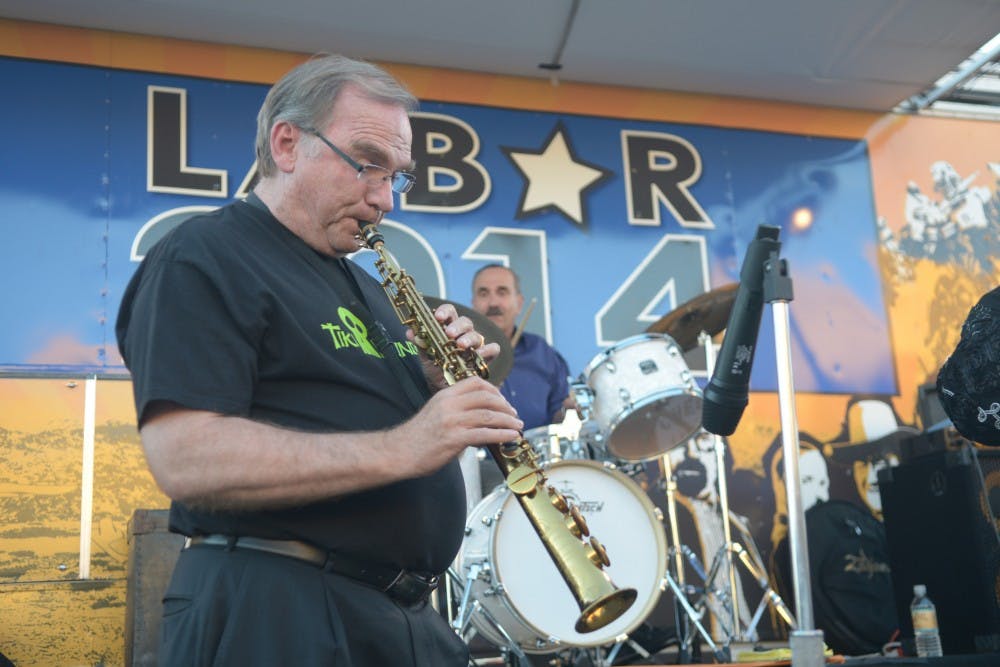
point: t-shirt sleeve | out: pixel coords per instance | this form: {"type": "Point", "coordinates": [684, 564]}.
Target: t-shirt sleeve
{"type": "Point", "coordinates": [185, 345]}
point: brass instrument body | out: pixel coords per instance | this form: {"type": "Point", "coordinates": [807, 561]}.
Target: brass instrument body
{"type": "Point", "coordinates": [559, 525]}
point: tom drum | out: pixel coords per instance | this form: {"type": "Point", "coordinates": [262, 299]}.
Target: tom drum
{"type": "Point", "coordinates": [644, 399]}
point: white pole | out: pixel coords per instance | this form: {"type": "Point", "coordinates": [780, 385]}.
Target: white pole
{"type": "Point", "coordinates": [87, 475]}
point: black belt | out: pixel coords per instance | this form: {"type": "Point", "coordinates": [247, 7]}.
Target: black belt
{"type": "Point", "coordinates": [402, 585]}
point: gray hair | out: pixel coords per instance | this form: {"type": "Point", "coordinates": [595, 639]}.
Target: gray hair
{"type": "Point", "coordinates": [306, 95]}
{"type": "Point", "coordinates": [517, 280]}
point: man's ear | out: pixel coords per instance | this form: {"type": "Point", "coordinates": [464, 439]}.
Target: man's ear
{"type": "Point", "coordinates": [285, 144]}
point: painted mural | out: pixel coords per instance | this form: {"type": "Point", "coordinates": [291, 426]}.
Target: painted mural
{"type": "Point", "coordinates": [615, 209]}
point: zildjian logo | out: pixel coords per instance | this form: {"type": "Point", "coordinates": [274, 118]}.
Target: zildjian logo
{"type": "Point", "coordinates": [862, 564]}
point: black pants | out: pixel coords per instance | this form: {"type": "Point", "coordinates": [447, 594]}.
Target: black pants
{"type": "Point", "coordinates": [245, 607]}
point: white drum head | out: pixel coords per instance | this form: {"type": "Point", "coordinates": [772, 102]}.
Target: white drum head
{"type": "Point", "coordinates": [619, 515]}
{"type": "Point", "coordinates": [645, 400]}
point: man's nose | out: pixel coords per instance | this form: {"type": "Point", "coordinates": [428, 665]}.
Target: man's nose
{"type": "Point", "coordinates": [380, 197]}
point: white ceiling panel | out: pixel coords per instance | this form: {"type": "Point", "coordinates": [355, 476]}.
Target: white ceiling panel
{"type": "Point", "coordinates": [859, 54]}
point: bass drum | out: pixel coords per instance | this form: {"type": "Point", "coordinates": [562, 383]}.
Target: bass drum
{"type": "Point", "coordinates": [519, 585]}
{"type": "Point", "coordinates": [645, 400]}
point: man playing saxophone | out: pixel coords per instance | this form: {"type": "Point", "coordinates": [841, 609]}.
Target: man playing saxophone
{"type": "Point", "coordinates": [309, 455]}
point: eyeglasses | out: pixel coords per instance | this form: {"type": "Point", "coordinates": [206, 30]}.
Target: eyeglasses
{"type": "Point", "coordinates": [372, 174]}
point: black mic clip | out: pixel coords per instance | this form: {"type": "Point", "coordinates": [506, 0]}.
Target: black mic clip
{"type": "Point", "coordinates": [777, 281]}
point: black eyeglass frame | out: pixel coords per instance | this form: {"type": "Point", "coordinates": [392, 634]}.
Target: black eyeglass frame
{"type": "Point", "coordinates": [401, 182]}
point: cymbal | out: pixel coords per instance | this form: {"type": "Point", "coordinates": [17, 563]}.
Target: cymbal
{"type": "Point", "coordinates": [503, 362]}
{"type": "Point", "coordinates": [708, 312]}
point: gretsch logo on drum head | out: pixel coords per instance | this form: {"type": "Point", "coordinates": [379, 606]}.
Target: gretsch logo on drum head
{"type": "Point", "coordinates": [586, 506]}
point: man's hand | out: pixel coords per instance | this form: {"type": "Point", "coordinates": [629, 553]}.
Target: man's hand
{"type": "Point", "coordinates": [472, 412]}
{"type": "Point", "coordinates": [460, 329]}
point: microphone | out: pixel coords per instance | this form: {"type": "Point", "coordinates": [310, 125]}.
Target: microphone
{"type": "Point", "coordinates": [726, 395]}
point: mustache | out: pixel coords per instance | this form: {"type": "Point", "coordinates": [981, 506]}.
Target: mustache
{"type": "Point", "coordinates": [493, 311]}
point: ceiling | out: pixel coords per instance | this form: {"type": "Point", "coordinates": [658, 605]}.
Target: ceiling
{"type": "Point", "coordinates": [857, 54]}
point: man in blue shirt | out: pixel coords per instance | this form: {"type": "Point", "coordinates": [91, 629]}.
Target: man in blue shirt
{"type": "Point", "coordinates": [538, 385]}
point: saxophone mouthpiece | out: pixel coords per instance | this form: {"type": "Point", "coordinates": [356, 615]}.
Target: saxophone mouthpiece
{"type": "Point", "coordinates": [370, 236]}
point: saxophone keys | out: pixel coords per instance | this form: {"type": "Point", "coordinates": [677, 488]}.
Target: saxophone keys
{"type": "Point", "coordinates": [522, 480]}
{"type": "Point", "coordinates": [597, 554]}
{"type": "Point", "coordinates": [576, 523]}
{"type": "Point", "coordinates": [558, 500]}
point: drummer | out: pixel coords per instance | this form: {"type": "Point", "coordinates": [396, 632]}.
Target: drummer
{"type": "Point", "coordinates": [538, 385]}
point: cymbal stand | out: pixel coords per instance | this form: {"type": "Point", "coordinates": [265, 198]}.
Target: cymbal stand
{"type": "Point", "coordinates": [723, 488]}
{"type": "Point", "coordinates": [684, 612]}
{"type": "Point", "coordinates": [730, 601]}
{"type": "Point", "coordinates": [752, 561]}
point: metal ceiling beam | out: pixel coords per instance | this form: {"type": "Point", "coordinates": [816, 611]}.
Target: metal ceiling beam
{"type": "Point", "coordinates": [969, 68]}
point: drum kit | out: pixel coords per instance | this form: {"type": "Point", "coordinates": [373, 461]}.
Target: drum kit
{"type": "Point", "coordinates": [637, 403]}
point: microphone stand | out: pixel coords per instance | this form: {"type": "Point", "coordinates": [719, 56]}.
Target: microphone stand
{"type": "Point", "coordinates": [806, 643]}
{"type": "Point", "coordinates": [722, 487]}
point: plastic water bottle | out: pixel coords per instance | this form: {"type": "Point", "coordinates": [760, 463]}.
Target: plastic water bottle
{"type": "Point", "coordinates": [925, 626]}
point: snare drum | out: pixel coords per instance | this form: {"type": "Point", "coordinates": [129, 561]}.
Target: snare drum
{"type": "Point", "coordinates": [645, 400]}
{"type": "Point", "coordinates": [518, 584]}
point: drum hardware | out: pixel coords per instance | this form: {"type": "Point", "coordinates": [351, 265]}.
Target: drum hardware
{"type": "Point", "coordinates": [584, 398]}
{"type": "Point", "coordinates": [556, 442]}
{"type": "Point", "coordinates": [461, 622]}
{"type": "Point", "coordinates": [750, 557]}
{"type": "Point", "coordinates": [684, 613]}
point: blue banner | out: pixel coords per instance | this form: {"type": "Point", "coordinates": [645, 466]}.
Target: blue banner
{"type": "Point", "coordinates": [610, 223]}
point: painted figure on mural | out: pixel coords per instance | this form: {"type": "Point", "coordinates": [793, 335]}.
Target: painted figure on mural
{"type": "Point", "coordinates": [764, 501]}
{"type": "Point", "coordinates": [814, 477]}
{"type": "Point", "coordinates": [870, 440]}
{"type": "Point", "coordinates": [962, 221]}
{"type": "Point", "coordinates": [308, 447]}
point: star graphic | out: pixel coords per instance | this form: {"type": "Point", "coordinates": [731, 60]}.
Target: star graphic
{"type": "Point", "coordinates": [555, 179]}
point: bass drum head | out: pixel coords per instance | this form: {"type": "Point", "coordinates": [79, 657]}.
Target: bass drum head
{"type": "Point", "coordinates": [622, 518]}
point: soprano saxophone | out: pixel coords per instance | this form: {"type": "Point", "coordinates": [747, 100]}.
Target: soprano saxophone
{"type": "Point", "coordinates": [559, 524]}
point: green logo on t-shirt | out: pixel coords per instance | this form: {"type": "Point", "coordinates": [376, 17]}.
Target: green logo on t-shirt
{"type": "Point", "coordinates": [355, 336]}
{"type": "Point", "coordinates": [352, 332]}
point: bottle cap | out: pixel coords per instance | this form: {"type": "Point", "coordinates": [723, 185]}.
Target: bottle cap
{"type": "Point", "coordinates": [919, 590]}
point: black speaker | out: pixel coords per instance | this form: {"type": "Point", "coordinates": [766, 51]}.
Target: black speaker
{"type": "Point", "coordinates": [941, 531]}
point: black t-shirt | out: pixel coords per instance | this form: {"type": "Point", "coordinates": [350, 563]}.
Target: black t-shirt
{"type": "Point", "coordinates": [228, 313]}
